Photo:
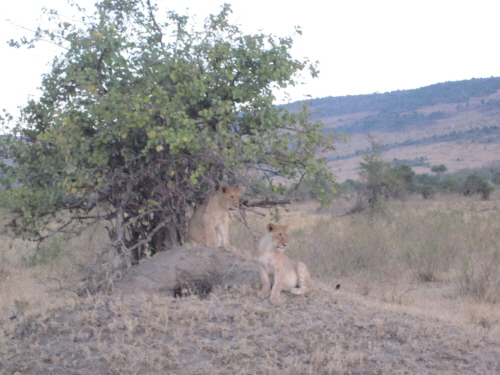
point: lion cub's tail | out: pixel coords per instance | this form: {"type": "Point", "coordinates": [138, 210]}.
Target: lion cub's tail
{"type": "Point", "coordinates": [304, 280]}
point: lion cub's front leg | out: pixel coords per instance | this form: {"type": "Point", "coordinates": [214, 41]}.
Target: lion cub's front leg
{"type": "Point", "coordinates": [224, 233]}
{"type": "Point", "coordinates": [265, 283]}
{"type": "Point", "coordinates": [210, 231]}
{"type": "Point", "coordinates": [275, 297]}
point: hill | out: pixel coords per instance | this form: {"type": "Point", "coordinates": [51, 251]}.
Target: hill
{"type": "Point", "coordinates": [451, 123]}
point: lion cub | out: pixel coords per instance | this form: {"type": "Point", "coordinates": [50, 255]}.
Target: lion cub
{"type": "Point", "coordinates": [209, 224]}
{"type": "Point", "coordinates": [287, 274]}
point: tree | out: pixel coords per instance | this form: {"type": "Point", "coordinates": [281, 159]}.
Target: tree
{"type": "Point", "coordinates": [406, 176]}
{"type": "Point", "coordinates": [439, 169]}
{"type": "Point", "coordinates": [425, 185]}
{"type": "Point", "coordinates": [476, 184]}
{"type": "Point", "coordinates": [450, 184]}
{"type": "Point", "coordinates": [496, 178]}
{"type": "Point", "coordinates": [140, 118]}
{"type": "Point", "coordinates": [381, 181]}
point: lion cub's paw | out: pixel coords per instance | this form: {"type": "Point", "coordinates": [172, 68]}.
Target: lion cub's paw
{"type": "Point", "coordinates": [230, 248]}
{"type": "Point", "coordinates": [277, 301]}
{"type": "Point", "coordinates": [299, 291]}
{"type": "Point", "coordinates": [263, 293]}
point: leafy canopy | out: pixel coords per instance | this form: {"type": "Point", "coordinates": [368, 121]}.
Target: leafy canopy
{"type": "Point", "coordinates": [143, 114]}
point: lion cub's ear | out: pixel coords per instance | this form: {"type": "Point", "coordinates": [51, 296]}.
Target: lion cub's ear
{"type": "Point", "coordinates": [285, 228]}
{"type": "Point", "coordinates": [271, 227]}
{"type": "Point", "coordinates": [239, 190]}
{"type": "Point", "coordinates": [224, 189]}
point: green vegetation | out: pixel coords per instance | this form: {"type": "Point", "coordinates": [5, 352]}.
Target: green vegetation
{"type": "Point", "coordinates": [140, 119]}
{"type": "Point", "coordinates": [380, 181]}
{"type": "Point", "coordinates": [474, 184]}
{"type": "Point", "coordinates": [400, 180]}
{"type": "Point", "coordinates": [439, 169]}
{"type": "Point", "coordinates": [318, 188]}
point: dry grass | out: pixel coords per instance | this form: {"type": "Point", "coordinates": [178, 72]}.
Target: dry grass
{"type": "Point", "coordinates": [440, 258]}
{"type": "Point", "coordinates": [46, 277]}
{"type": "Point", "coordinates": [420, 294]}
{"type": "Point", "coordinates": [235, 333]}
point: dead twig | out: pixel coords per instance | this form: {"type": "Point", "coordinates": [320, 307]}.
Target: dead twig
{"type": "Point", "coordinates": [266, 203]}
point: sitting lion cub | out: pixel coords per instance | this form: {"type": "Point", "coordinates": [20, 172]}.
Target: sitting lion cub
{"type": "Point", "coordinates": [210, 221]}
{"type": "Point", "coordinates": [287, 274]}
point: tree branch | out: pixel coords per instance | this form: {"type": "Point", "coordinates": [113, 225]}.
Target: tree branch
{"type": "Point", "coordinates": [266, 203]}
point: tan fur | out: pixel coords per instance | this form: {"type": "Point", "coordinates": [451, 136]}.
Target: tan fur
{"type": "Point", "coordinates": [209, 224]}
{"type": "Point", "coordinates": [286, 273]}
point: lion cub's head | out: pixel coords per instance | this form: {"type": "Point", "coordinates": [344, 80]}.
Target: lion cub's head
{"type": "Point", "coordinates": [230, 197]}
{"type": "Point", "coordinates": [279, 235]}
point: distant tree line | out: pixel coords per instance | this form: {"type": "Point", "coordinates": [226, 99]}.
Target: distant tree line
{"type": "Point", "coordinates": [393, 121]}
{"type": "Point", "coordinates": [381, 181]}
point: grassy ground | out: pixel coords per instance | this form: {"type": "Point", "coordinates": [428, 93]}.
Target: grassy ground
{"type": "Point", "coordinates": [420, 294]}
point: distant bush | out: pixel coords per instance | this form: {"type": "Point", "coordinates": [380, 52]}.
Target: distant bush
{"type": "Point", "coordinates": [416, 162]}
{"type": "Point", "coordinates": [450, 183]}
{"type": "Point", "coordinates": [439, 169]}
{"type": "Point", "coordinates": [426, 190]}
{"type": "Point", "coordinates": [349, 186]}
{"type": "Point", "coordinates": [496, 178]}
{"type": "Point", "coordinates": [426, 185]}
{"type": "Point", "coordinates": [475, 184]}
{"type": "Point", "coordinates": [380, 181]}
{"type": "Point", "coordinates": [317, 188]}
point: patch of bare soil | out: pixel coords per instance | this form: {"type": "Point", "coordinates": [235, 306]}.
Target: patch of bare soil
{"type": "Point", "coordinates": [234, 332]}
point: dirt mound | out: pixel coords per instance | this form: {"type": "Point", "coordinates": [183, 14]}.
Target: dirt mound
{"type": "Point", "coordinates": [234, 332]}
{"type": "Point", "coordinates": [187, 270]}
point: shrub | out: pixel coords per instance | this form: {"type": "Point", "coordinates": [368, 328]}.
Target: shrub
{"type": "Point", "coordinates": [450, 184]}
{"type": "Point", "coordinates": [476, 184]}
{"type": "Point", "coordinates": [480, 275]}
{"type": "Point", "coordinates": [380, 181]}
{"type": "Point", "coordinates": [317, 188]}
{"type": "Point", "coordinates": [496, 178]}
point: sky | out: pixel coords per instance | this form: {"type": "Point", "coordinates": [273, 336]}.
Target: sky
{"type": "Point", "coordinates": [363, 46]}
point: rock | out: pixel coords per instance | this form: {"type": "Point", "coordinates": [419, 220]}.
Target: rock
{"type": "Point", "coordinates": [186, 270]}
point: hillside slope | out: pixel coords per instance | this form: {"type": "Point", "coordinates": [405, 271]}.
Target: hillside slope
{"type": "Point", "coordinates": [451, 123]}
{"type": "Point", "coordinates": [327, 332]}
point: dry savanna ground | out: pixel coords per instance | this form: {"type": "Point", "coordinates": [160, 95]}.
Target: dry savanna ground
{"type": "Point", "coordinates": [420, 294]}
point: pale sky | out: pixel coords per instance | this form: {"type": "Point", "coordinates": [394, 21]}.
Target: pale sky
{"type": "Point", "coordinates": [363, 46]}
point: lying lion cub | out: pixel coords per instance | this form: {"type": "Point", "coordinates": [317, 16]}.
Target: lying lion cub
{"type": "Point", "coordinates": [209, 224]}
{"type": "Point", "coordinates": [287, 274]}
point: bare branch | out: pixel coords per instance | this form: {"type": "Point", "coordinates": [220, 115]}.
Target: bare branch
{"type": "Point", "coordinates": [266, 203]}
{"type": "Point", "coordinates": [253, 211]}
